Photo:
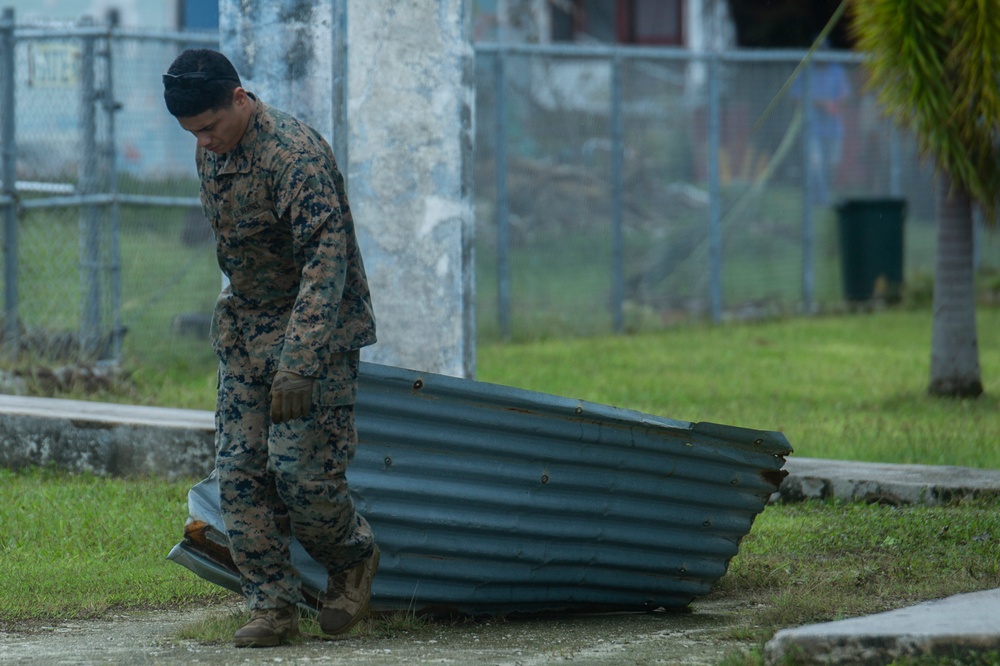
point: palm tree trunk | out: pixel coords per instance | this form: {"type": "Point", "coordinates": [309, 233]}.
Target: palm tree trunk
{"type": "Point", "coordinates": [954, 346]}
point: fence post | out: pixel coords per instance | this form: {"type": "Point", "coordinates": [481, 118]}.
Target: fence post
{"type": "Point", "coordinates": [502, 212]}
{"type": "Point", "coordinates": [714, 193]}
{"type": "Point", "coordinates": [808, 240]}
{"type": "Point", "coordinates": [9, 175]}
{"type": "Point", "coordinates": [90, 283]}
{"type": "Point", "coordinates": [111, 107]}
{"type": "Point", "coordinates": [617, 194]}
{"type": "Point", "coordinates": [339, 42]}
{"type": "Point", "coordinates": [895, 162]}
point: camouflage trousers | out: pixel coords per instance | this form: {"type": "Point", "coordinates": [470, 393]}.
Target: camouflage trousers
{"type": "Point", "coordinates": [276, 481]}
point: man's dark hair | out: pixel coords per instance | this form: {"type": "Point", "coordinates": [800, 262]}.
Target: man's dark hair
{"type": "Point", "coordinates": [199, 80]}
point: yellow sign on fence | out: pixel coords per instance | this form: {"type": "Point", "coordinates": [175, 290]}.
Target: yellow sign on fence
{"type": "Point", "coordinates": [53, 65]}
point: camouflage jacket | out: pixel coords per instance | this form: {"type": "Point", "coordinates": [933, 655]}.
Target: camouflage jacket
{"type": "Point", "coordinates": [298, 295]}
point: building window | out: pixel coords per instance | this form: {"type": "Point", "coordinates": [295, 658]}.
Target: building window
{"type": "Point", "coordinates": [563, 20]}
{"type": "Point", "coordinates": [622, 21]}
{"type": "Point", "coordinates": [650, 22]}
{"type": "Point", "coordinates": [597, 22]}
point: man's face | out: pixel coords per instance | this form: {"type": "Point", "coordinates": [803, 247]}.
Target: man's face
{"type": "Point", "coordinates": [220, 130]}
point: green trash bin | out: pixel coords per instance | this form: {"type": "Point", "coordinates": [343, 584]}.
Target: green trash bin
{"type": "Point", "coordinates": [870, 233]}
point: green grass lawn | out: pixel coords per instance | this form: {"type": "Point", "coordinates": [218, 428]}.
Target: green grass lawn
{"type": "Point", "coordinates": [848, 387]}
{"type": "Point", "coordinates": [77, 546]}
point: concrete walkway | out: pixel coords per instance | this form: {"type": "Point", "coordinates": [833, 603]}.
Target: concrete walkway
{"type": "Point", "coordinates": [117, 439]}
{"type": "Point", "coordinates": [953, 627]}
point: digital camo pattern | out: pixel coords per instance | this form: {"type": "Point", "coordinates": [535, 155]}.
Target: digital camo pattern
{"type": "Point", "coordinates": [298, 300]}
{"type": "Point", "coordinates": [293, 479]}
{"type": "Point", "coordinates": [285, 238]}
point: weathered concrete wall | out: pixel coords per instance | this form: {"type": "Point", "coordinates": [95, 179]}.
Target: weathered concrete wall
{"type": "Point", "coordinates": [283, 51]}
{"type": "Point", "coordinates": [106, 439]}
{"type": "Point", "coordinates": [410, 103]}
{"type": "Point", "coordinates": [409, 110]}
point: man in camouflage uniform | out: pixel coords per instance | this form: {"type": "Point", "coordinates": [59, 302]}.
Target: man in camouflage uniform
{"type": "Point", "coordinates": [287, 329]}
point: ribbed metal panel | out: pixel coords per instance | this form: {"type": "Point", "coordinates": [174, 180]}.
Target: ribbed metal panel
{"type": "Point", "coordinates": [489, 499]}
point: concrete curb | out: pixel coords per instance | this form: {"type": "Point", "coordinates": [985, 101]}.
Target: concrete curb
{"type": "Point", "coordinates": [953, 627]}
{"type": "Point", "coordinates": [130, 440]}
{"type": "Point", "coordinates": [811, 478]}
{"type": "Point", "coordinates": [106, 439]}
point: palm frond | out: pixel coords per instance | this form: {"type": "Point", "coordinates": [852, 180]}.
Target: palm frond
{"type": "Point", "coordinates": [934, 66]}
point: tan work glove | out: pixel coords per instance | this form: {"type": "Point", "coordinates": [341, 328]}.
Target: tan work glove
{"type": "Point", "coordinates": [291, 396]}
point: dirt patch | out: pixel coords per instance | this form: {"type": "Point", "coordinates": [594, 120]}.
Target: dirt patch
{"type": "Point", "coordinates": [700, 637]}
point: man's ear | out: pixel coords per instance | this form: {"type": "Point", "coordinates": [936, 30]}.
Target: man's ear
{"type": "Point", "coordinates": [240, 97]}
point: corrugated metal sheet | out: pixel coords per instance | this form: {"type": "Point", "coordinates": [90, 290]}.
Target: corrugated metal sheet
{"type": "Point", "coordinates": [490, 499]}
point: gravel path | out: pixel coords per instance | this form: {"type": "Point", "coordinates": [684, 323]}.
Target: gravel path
{"type": "Point", "coordinates": [701, 637]}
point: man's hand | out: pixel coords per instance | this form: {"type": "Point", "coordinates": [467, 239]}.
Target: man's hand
{"type": "Point", "coordinates": [291, 396]}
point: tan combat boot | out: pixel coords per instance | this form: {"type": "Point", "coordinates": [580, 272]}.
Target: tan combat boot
{"type": "Point", "coordinates": [268, 627]}
{"type": "Point", "coordinates": [347, 596]}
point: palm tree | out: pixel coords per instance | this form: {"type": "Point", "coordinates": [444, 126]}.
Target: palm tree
{"type": "Point", "coordinates": [935, 66]}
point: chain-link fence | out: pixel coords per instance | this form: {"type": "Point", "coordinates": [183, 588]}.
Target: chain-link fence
{"type": "Point", "coordinates": [616, 189]}
{"type": "Point", "coordinates": [106, 251]}
{"type": "Point", "coordinates": [624, 189]}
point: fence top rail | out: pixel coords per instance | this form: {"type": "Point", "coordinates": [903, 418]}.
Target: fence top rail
{"type": "Point", "coordinates": [209, 38]}
{"type": "Point", "coordinates": [202, 37]}
{"type": "Point", "coordinates": [74, 201]}
{"type": "Point", "coordinates": [666, 52]}
{"type": "Point", "coordinates": [98, 31]}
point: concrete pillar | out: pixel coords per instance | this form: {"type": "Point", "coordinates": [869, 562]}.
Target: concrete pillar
{"type": "Point", "coordinates": [410, 96]}
{"type": "Point", "coordinates": [410, 103]}
{"type": "Point", "coordinates": [283, 51]}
